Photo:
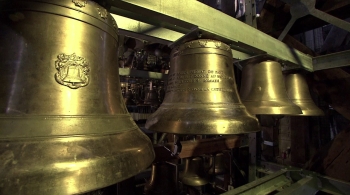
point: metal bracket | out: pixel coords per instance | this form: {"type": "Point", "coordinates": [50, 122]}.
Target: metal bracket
{"type": "Point", "coordinates": [301, 8]}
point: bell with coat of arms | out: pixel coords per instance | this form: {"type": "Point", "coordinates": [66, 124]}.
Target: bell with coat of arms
{"type": "Point", "coordinates": [64, 128]}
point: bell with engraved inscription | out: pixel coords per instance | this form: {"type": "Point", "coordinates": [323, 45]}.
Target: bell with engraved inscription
{"type": "Point", "coordinates": [299, 94]}
{"type": "Point", "coordinates": [263, 90]}
{"type": "Point", "coordinates": [64, 128]}
{"type": "Point", "coordinates": [201, 96]}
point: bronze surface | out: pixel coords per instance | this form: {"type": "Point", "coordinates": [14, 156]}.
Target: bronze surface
{"type": "Point", "coordinates": [195, 173]}
{"type": "Point", "coordinates": [263, 90]}
{"type": "Point", "coordinates": [151, 97]}
{"type": "Point", "coordinates": [64, 128]}
{"type": "Point", "coordinates": [299, 94]}
{"type": "Point", "coordinates": [220, 166]}
{"type": "Point", "coordinates": [201, 96]}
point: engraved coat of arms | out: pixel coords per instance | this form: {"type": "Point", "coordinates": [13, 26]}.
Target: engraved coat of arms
{"type": "Point", "coordinates": [72, 71]}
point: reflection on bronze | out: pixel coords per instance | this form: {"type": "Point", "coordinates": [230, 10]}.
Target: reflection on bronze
{"type": "Point", "coordinates": [163, 180]}
{"type": "Point", "coordinates": [263, 90]}
{"type": "Point", "coordinates": [299, 94]}
{"type": "Point", "coordinates": [66, 138]}
{"type": "Point", "coordinates": [195, 173]}
{"type": "Point", "coordinates": [220, 166]}
{"type": "Point", "coordinates": [201, 96]}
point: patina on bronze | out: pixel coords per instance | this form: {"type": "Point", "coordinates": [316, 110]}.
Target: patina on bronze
{"type": "Point", "coordinates": [263, 90]}
{"type": "Point", "coordinates": [195, 173]}
{"type": "Point", "coordinates": [64, 128]}
{"type": "Point", "coordinates": [201, 96]}
{"type": "Point", "coordinates": [299, 94]}
{"type": "Point", "coordinates": [219, 166]}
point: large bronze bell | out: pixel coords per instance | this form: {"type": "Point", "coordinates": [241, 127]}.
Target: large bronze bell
{"type": "Point", "coordinates": [195, 173]}
{"type": "Point", "coordinates": [299, 94]}
{"type": "Point", "coordinates": [201, 96]}
{"type": "Point", "coordinates": [64, 128]}
{"type": "Point", "coordinates": [263, 90]}
{"type": "Point", "coordinates": [163, 180]}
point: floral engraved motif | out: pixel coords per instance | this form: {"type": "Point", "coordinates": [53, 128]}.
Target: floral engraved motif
{"type": "Point", "coordinates": [72, 71]}
{"type": "Point", "coordinates": [115, 26]}
{"type": "Point", "coordinates": [189, 44]}
{"type": "Point", "coordinates": [202, 43]}
{"type": "Point", "coordinates": [79, 3]}
{"type": "Point", "coordinates": [102, 12]}
{"type": "Point", "coordinates": [217, 44]}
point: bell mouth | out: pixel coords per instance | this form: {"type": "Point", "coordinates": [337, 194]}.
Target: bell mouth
{"type": "Point", "coordinates": [72, 164]}
{"type": "Point", "coordinates": [277, 107]}
{"type": "Point", "coordinates": [308, 108]}
{"type": "Point", "coordinates": [212, 120]}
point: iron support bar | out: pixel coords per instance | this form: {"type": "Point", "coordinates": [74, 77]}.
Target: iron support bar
{"type": "Point", "coordinates": [151, 33]}
{"type": "Point", "coordinates": [301, 8]}
{"type": "Point", "coordinates": [307, 185]}
{"type": "Point", "coordinates": [304, 182]}
{"type": "Point", "coordinates": [185, 15]}
{"type": "Point", "coordinates": [142, 74]}
{"type": "Point", "coordinates": [339, 59]}
{"type": "Point", "coordinates": [137, 29]}
{"type": "Point", "coordinates": [266, 185]}
{"type": "Point", "coordinates": [173, 22]}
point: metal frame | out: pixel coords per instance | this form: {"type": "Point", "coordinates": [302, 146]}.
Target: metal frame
{"type": "Point", "coordinates": [169, 21]}
{"type": "Point", "coordinates": [142, 74]}
{"type": "Point", "coordinates": [301, 8]}
{"type": "Point", "coordinates": [289, 180]}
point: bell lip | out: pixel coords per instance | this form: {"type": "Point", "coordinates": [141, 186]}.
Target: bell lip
{"type": "Point", "coordinates": [112, 166]}
{"type": "Point", "coordinates": [195, 181]}
{"type": "Point", "coordinates": [272, 107]}
{"type": "Point", "coordinates": [177, 121]}
{"type": "Point", "coordinates": [190, 180]}
{"type": "Point", "coordinates": [309, 108]}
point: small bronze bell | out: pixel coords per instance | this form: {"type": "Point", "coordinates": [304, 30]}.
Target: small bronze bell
{"type": "Point", "coordinates": [163, 179]}
{"type": "Point", "coordinates": [299, 94]}
{"type": "Point", "coordinates": [151, 97]}
{"type": "Point", "coordinates": [263, 90]}
{"type": "Point", "coordinates": [220, 167]}
{"type": "Point", "coordinates": [128, 97]}
{"type": "Point", "coordinates": [64, 128]}
{"type": "Point", "coordinates": [201, 96]}
{"type": "Point", "coordinates": [195, 173]}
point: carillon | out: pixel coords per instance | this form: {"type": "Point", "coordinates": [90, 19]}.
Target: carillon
{"type": "Point", "coordinates": [201, 96]}
{"type": "Point", "coordinates": [64, 128]}
{"type": "Point", "coordinates": [263, 90]}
